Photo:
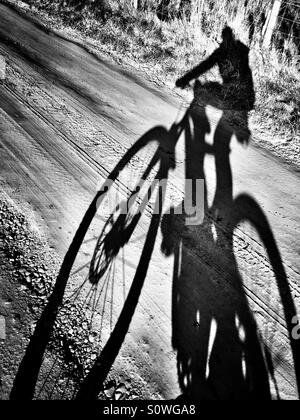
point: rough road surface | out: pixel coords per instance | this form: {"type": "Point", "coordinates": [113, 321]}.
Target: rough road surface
{"type": "Point", "coordinates": [66, 119]}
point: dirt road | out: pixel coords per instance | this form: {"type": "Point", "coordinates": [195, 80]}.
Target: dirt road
{"type": "Point", "coordinates": [67, 119]}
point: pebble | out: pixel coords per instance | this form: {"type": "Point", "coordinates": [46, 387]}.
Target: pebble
{"type": "Point", "coordinates": [109, 392]}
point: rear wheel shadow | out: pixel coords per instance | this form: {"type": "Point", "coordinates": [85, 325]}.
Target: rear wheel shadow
{"type": "Point", "coordinates": [246, 209]}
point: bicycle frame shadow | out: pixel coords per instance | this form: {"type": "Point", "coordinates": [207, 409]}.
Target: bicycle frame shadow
{"type": "Point", "coordinates": [28, 372]}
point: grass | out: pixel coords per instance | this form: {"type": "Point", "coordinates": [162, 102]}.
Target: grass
{"type": "Point", "coordinates": [167, 49]}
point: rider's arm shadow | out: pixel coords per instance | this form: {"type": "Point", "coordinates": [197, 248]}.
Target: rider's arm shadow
{"type": "Point", "coordinates": [197, 71]}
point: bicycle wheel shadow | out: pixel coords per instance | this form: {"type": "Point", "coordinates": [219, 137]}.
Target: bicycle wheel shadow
{"type": "Point", "coordinates": [29, 369]}
{"type": "Point", "coordinates": [220, 353]}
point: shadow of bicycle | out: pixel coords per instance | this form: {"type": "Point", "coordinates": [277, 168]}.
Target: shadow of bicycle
{"type": "Point", "coordinates": [220, 353]}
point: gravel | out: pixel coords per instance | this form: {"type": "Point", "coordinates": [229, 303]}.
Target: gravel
{"type": "Point", "coordinates": [32, 266]}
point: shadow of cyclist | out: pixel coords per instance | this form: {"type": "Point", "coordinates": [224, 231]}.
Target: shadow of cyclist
{"type": "Point", "coordinates": [218, 346]}
{"type": "Point", "coordinates": [220, 354]}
